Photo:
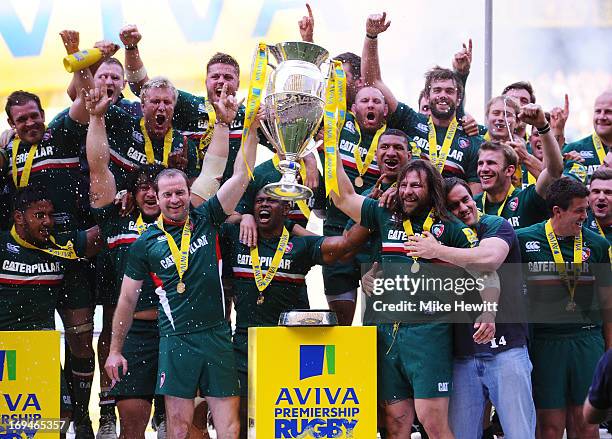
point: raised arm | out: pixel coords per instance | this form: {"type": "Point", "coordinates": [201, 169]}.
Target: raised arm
{"type": "Point", "coordinates": [82, 79]}
{"type": "Point", "coordinates": [306, 25]}
{"type": "Point", "coordinates": [370, 64]}
{"type": "Point", "coordinates": [122, 321]}
{"type": "Point", "coordinates": [215, 160]}
{"type": "Point", "coordinates": [102, 187]}
{"type": "Point", "coordinates": [533, 114]}
{"type": "Point", "coordinates": [348, 201]}
{"type": "Point", "coordinates": [135, 71]}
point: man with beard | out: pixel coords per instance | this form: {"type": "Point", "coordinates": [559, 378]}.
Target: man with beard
{"type": "Point", "coordinates": [594, 147]}
{"type": "Point", "coordinates": [500, 368]}
{"type": "Point", "coordinates": [413, 372]}
{"type": "Point", "coordinates": [496, 166]}
{"type": "Point", "coordinates": [195, 115]}
{"type": "Point", "coordinates": [568, 286]}
{"type": "Point", "coordinates": [186, 273]}
{"type": "Point", "coordinates": [286, 289]}
{"type": "Point", "coordinates": [599, 218]}
{"type": "Point", "coordinates": [135, 391]}
{"type": "Point", "coordinates": [33, 266]}
{"type": "Point", "coordinates": [457, 155]}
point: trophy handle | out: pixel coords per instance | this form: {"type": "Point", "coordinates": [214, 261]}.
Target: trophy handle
{"type": "Point", "coordinates": [264, 129]}
{"type": "Point", "coordinates": [272, 50]}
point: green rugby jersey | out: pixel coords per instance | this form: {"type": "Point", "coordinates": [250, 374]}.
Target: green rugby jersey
{"type": "Point", "coordinates": [202, 305]}
{"type": "Point", "coordinates": [335, 219]}
{"type": "Point", "coordinates": [548, 294]}
{"type": "Point", "coordinates": [127, 147]}
{"type": "Point", "coordinates": [462, 160]}
{"type": "Point", "coordinates": [191, 118]}
{"type": "Point", "coordinates": [392, 254]}
{"type": "Point", "coordinates": [286, 291]}
{"type": "Point", "coordinates": [267, 173]}
{"type": "Point", "coordinates": [56, 167]}
{"type": "Point", "coordinates": [523, 208]}
{"type": "Point", "coordinates": [30, 283]}
{"type": "Point", "coordinates": [591, 223]}
{"type": "Point", "coordinates": [586, 149]}
{"type": "Point", "coordinates": [119, 233]}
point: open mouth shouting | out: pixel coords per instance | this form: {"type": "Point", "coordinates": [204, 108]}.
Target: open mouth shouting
{"type": "Point", "coordinates": [391, 164]}
{"type": "Point", "coordinates": [264, 216]}
{"type": "Point", "coordinates": [600, 208]}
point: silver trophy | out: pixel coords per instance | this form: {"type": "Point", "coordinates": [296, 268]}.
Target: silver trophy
{"type": "Point", "coordinates": [294, 104]}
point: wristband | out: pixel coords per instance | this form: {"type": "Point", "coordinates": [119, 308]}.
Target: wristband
{"type": "Point", "coordinates": [371, 37]}
{"type": "Point", "coordinates": [131, 46]}
{"type": "Point", "coordinates": [223, 124]}
{"type": "Point", "coordinates": [545, 129]}
{"type": "Point", "coordinates": [136, 75]}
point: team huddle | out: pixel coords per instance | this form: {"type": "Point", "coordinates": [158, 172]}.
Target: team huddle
{"type": "Point", "coordinates": [149, 209]}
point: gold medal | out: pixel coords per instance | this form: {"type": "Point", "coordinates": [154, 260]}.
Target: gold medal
{"type": "Point", "coordinates": [180, 288]}
{"type": "Point", "coordinates": [260, 299]}
{"type": "Point", "coordinates": [415, 267]}
{"type": "Point", "coordinates": [358, 181]}
{"type": "Point", "coordinates": [571, 306]}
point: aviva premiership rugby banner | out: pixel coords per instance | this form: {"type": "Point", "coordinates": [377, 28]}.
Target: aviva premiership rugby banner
{"type": "Point", "coordinates": [29, 384]}
{"type": "Point", "coordinates": [312, 382]}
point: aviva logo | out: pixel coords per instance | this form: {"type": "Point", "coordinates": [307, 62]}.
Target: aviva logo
{"type": "Point", "coordinates": [8, 358]}
{"type": "Point", "coordinates": [313, 357]}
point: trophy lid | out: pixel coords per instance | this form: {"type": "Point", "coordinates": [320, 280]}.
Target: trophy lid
{"type": "Point", "coordinates": [308, 317]}
{"type": "Point", "coordinates": [300, 51]}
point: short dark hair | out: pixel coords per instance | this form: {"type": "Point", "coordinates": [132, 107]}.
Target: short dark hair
{"type": "Point", "coordinates": [20, 97]}
{"type": "Point", "coordinates": [521, 85]}
{"type": "Point", "coordinates": [451, 182]}
{"type": "Point", "coordinates": [435, 186]}
{"type": "Point", "coordinates": [601, 174]}
{"type": "Point", "coordinates": [223, 58]}
{"type": "Point", "coordinates": [169, 172]}
{"type": "Point", "coordinates": [510, 156]}
{"type": "Point", "coordinates": [146, 174]}
{"type": "Point", "coordinates": [422, 95]}
{"type": "Point", "coordinates": [28, 195]}
{"type": "Point", "coordinates": [353, 60]}
{"type": "Point", "coordinates": [398, 133]}
{"type": "Point", "coordinates": [440, 74]}
{"type": "Point", "coordinates": [562, 191]}
{"type": "Point", "coordinates": [114, 61]}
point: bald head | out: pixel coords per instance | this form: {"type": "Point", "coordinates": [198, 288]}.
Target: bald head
{"type": "Point", "coordinates": [602, 117]}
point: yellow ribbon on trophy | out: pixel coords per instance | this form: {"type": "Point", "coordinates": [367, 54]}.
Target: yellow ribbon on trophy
{"type": "Point", "coordinates": [333, 119]}
{"type": "Point", "coordinates": [62, 251]}
{"type": "Point", "coordinates": [261, 281]}
{"type": "Point", "coordinates": [302, 204]}
{"type": "Point", "coordinates": [27, 166]}
{"type": "Point", "coordinates": [256, 87]}
{"type": "Point", "coordinates": [148, 146]}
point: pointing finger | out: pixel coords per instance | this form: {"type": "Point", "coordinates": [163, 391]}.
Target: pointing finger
{"type": "Point", "coordinates": [309, 10]}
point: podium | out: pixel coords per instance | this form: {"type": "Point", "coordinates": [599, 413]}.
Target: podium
{"type": "Point", "coordinates": [30, 384]}
{"type": "Point", "coordinates": [312, 382]}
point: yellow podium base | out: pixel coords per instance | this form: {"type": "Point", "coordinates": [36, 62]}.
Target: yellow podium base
{"type": "Point", "coordinates": [312, 382]}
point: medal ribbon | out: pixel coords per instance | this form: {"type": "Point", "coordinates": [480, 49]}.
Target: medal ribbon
{"type": "Point", "coordinates": [599, 148]}
{"type": "Point", "coordinates": [27, 166]}
{"type": "Point", "coordinates": [141, 226]}
{"type": "Point", "coordinates": [302, 204]}
{"type": "Point", "coordinates": [62, 251]}
{"type": "Point", "coordinates": [256, 86]}
{"type": "Point", "coordinates": [362, 166]}
{"type": "Point", "coordinates": [148, 146]}
{"type": "Point", "coordinates": [426, 227]}
{"type": "Point", "coordinates": [181, 257]}
{"type": "Point", "coordinates": [212, 119]}
{"type": "Point", "coordinates": [560, 263]}
{"type": "Point", "coordinates": [334, 115]}
{"type": "Point", "coordinates": [440, 160]}
{"type": "Point", "coordinates": [262, 282]}
{"type": "Point", "coordinates": [511, 190]}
